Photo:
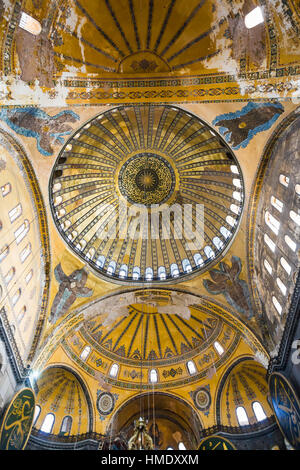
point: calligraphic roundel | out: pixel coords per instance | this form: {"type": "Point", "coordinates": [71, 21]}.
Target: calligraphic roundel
{"type": "Point", "coordinates": [18, 420]}
{"type": "Point", "coordinates": [287, 408]}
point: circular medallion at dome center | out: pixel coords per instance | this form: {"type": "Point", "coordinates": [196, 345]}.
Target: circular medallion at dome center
{"type": "Point", "coordinates": [146, 179]}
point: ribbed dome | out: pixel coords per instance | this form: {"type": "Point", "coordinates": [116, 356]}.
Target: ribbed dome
{"type": "Point", "coordinates": [146, 193]}
{"type": "Point", "coordinates": [151, 335]}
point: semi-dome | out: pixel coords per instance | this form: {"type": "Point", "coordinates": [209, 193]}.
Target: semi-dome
{"type": "Point", "coordinates": [147, 193]}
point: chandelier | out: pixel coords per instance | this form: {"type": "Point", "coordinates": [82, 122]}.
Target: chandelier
{"type": "Point", "coordinates": [140, 439]}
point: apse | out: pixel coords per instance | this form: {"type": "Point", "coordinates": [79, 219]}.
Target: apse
{"type": "Point", "coordinates": [171, 422]}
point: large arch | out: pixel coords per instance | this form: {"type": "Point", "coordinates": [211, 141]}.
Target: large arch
{"type": "Point", "coordinates": [159, 409]}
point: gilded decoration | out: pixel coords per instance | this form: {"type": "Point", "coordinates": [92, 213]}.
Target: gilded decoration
{"type": "Point", "coordinates": [164, 159]}
{"type": "Point", "coordinates": [244, 383]}
{"type": "Point", "coordinates": [17, 421]}
{"type": "Point", "coordinates": [216, 443]}
{"type": "Point", "coordinates": [202, 399]}
{"type": "Point", "coordinates": [61, 391]}
{"type": "Point", "coordinates": [105, 403]}
{"type": "Point", "coordinates": [146, 179]}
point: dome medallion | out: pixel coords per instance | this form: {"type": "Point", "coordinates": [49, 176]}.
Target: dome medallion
{"type": "Point", "coordinates": [147, 193]}
{"type": "Point", "coordinates": [147, 179]}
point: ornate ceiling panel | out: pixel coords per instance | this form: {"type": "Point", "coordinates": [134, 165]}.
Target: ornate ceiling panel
{"type": "Point", "coordinates": [117, 180]}
{"type": "Point", "coordinates": [154, 337]}
{"type": "Point", "coordinates": [123, 37]}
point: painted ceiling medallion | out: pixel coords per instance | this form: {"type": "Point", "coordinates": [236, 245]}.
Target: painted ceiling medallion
{"type": "Point", "coordinates": [146, 179]}
{"type": "Point", "coordinates": [105, 402]}
{"type": "Point", "coordinates": [180, 172]}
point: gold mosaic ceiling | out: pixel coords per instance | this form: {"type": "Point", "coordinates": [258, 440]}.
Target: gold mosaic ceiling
{"type": "Point", "coordinates": [155, 338]}
{"type": "Point", "coordinates": [156, 329]}
{"type": "Point", "coordinates": [134, 36]}
{"type": "Point", "coordinates": [129, 161]}
{"type": "Point", "coordinates": [60, 392]}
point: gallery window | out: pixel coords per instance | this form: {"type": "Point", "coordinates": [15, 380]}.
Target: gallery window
{"type": "Point", "coordinates": [37, 412]}
{"type": "Point", "coordinates": [191, 367]}
{"type": "Point", "coordinates": [258, 411]}
{"type": "Point", "coordinates": [286, 266]}
{"type": "Point", "coordinates": [16, 296]}
{"type": "Point", "coordinates": [86, 351]}
{"type": "Point", "coordinates": [66, 425]}
{"type": "Point", "coordinates": [242, 416]}
{"type": "Point", "coordinates": [48, 423]}
{"type": "Point", "coordinates": [268, 266]}
{"type": "Point", "coordinates": [276, 203]}
{"type": "Point", "coordinates": [4, 252]}
{"type": "Point", "coordinates": [277, 305]}
{"type": "Point", "coordinates": [153, 376]}
{"type": "Point", "coordinates": [15, 213]}
{"type": "Point", "coordinates": [219, 348]}
{"type": "Point", "coordinates": [114, 370]}
{"type": "Point", "coordinates": [5, 189]}
{"type": "Point", "coordinates": [25, 252]}
{"type": "Point", "coordinates": [22, 231]}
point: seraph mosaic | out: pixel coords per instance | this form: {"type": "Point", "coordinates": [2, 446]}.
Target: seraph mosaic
{"type": "Point", "coordinates": [70, 288]}
{"type": "Point", "coordinates": [227, 282]}
{"type": "Point", "coordinates": [34, 122]}
{"type": "Point", "coordinates": [239, 127]}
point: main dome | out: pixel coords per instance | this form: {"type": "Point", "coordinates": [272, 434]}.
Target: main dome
{"type": "Point", "coordinates": [147, 193]}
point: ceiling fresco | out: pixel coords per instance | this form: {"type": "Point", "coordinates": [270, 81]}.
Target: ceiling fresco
{"type": "Point", "coordinates": [94, 55]}
{"type": "Point", "coordinates": [160, 102]}
{"type": "Point", "coordinates": [61, 392]}
{"type": "Point", "coordinates": [115, 183]}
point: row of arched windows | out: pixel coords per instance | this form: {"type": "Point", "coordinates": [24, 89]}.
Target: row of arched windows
{"type": "Point", "coordinates": [209, 251]}
{"type": "Point", "coordinates": [242, 416]}
{"type": "Point", "coordinates": [20, 233]}
{"type": "Point", "coordinates": [153, 374]}
{"type": "Point", "coordinates": [161, 272]}
{"type": "Point", "coordinates": [66, 424]}
{"type": "Point", "coordinates": [273, 224]}
{"type": "Point", "coordinates": [49, 420]}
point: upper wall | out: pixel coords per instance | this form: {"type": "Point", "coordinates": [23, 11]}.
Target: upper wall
{"type": "Point", "coordinates": [277, 226]}
{"type": "Point", "coordinates": [104, 46]}
{"type": "Point", "coordinates": [24, 257]}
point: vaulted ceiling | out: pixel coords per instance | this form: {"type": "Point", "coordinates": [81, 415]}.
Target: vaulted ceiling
{"type": "Point", "coordinates": [164, 101]}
